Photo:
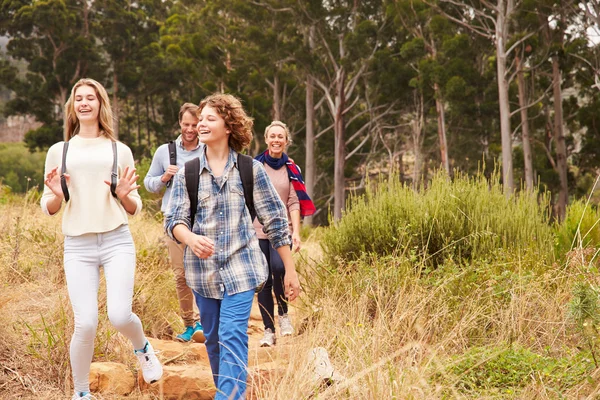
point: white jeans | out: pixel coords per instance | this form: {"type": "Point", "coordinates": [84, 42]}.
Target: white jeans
{"type": "Point", "coordinates": [84, 254]}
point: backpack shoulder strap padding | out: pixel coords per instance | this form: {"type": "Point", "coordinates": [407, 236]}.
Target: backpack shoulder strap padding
{"type": "Point", "coordinates": [192, 180]}
{"type": "Point", "coordinates": [113, 175]}
{"type": "Point", "coordinates": [247, 177]}
{"type": "Point", "coordinates": [63, 169]}
{"type": "Point", "coordinates": [172, 153]}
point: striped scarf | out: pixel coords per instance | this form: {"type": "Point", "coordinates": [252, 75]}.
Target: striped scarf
{"type": "Point", "coordinates": [307, 206]}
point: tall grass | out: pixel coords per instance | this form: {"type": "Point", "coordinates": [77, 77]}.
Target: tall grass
{"type": "Point", "coordinates": [498, 317]}
{"type": "Point", "coordinates": [463, 219]}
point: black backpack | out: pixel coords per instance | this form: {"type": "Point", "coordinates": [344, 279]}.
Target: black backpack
{"type": "Point", "coordinates": [192, 180]}
{"type": "Point", "coordinates": [113, 175]}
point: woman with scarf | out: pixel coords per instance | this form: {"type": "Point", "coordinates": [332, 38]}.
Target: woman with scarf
{"type": "Point", "coordinates": [287, 179]}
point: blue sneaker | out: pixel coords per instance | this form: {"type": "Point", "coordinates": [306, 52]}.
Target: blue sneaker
{"type": "Point", "coordinates": [198, 335]}
{"type": "Point", "coordinates": [187, 335]}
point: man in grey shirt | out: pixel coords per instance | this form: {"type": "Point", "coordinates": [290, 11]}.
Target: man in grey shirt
{"type": "Point", "coordinates": [187, 146]}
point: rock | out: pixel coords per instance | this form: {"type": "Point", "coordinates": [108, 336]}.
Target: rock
{"type": "Point", "coordinates": [111, 377]}
{"type": "Point", "coordinates": [180, 352]}
{"type": "Point", "coordinates": [190, 382]}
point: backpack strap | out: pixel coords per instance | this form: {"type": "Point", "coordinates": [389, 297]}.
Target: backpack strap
{"type": "Point", "coordinates": [172, 153]}
{"type": "Point", "coordinates": [192, 180]}
{"type": "Point", "coordinates": [63, 169]}
{"type": "Point", "coordinates": [247, 176]}
{"type": "Point", "coordinates": [113, 175]}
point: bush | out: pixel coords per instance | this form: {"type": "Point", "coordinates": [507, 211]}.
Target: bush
{"type": "Point", "coordinates": [580, 228]}
{"type": "Point", "coordinates": [467, 218]}
{"type": "Point", "coordinates": [508, 369]}
{"type": "Point", "coordinates": [19, 169]}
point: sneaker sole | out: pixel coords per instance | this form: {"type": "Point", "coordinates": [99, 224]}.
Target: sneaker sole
{"type": "Point", "coordinates": [199, 337]}
{"type": "Point", "coordinates": [267, 345]}
{"type": "Point", "coordinates": [180, 340]}
{"type": "Point", "coordinates": [287, 334]}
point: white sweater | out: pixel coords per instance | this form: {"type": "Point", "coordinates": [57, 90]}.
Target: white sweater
{"type": "Point", "coordinates": [91, 208]}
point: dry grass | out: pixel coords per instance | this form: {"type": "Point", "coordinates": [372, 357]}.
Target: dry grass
{"type": "Point", "coordinates": [390, 331]}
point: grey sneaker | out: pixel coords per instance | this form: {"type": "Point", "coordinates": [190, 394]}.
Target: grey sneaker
{"type": "Point", "coordinates": [285, 325]}
{"type": "Point", "coordinates": [151, 368]}
{"type": "Point", "coordinates": [268, 339]}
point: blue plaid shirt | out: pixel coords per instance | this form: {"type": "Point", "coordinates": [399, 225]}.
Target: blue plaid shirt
{"type": "Point", "coordinates": [238, 264]}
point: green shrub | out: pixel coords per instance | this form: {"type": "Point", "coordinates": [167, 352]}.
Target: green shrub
{"type": "Point", "coordinates": [467, 218]}
{"type": "Point", "coordinates": [508, 369]}
{"type": "Point", "coordinates": [19, 169]}
{"type": "Point", "coordinates": [580, 228]}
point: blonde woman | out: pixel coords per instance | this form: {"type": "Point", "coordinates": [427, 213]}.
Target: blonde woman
{"type": "Point", "coordinates": [287, 180]}
{"type": "Point", "coordinates": [223, 262]}
{"type": "Point", "coordinates": [95, 227]}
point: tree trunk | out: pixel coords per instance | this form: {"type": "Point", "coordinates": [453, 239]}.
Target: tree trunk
{"type": "Point", "coordinates": [139, 125]}
{"type": "Point", "coordinates": [559, 138]}
{"type": "Point", "coordinates": [340, 147]}
{"type": "Point", "coordinates": [527, 156]}
{"type": "Point", "coordinates": [309, 165]}
{"type": "Point", "coordinates": [148, 127]}
{"type": "Point", "coordinates": [441, 117]}
{"type": "Point", "coordinates": [505, 130]}
{"type": "Point", "coordinates": [417, 126]}
{"type": "Point", "coordinates": [276, 99]}
{"type": "Point", "coordinates": [115, 104]}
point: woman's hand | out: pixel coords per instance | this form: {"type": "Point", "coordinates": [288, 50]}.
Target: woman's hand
{"type": "Point", "coordinates": [126, 184]}
{"type": "Point", "coordinates": [296, 241]}
{"type": "Point", "coordinates": [53, 182]}
{"type": "Point", "coordinates": [291, 284]}
{"type": "Point", "coordinates": [201, 246]}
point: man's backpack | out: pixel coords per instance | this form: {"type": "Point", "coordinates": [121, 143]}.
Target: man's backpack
{"type": "Point", "coordinates": [113, 175]}
{"type": "Point", "coordinates": [192, 180]}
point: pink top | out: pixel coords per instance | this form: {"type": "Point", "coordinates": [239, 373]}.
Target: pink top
{"type": "Point", "coordinates": [287, 194]}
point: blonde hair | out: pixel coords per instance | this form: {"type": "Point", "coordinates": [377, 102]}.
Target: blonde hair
{"type": "Point", "coordinates": [188, 107]}
{"type": "Point", "coordinates": [288, 135]}
{"type": "Point", "coordinates": [105, 115]}
{"type": "Point", "coordinates": [237, 121]}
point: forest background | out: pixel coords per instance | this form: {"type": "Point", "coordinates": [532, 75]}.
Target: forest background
{"type": "Point", "coordinates": [367, 87]}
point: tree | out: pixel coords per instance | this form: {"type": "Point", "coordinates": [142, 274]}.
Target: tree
{"type": "Point", "coordinates": [55, 40]}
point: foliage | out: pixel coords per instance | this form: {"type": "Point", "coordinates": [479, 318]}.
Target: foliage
{"type": "Point", "coordinates": [579, 230]}
{"type": "Point", "coordinates": [506, 369]}
{"type": "Point", "coordinates": [467, 218]}
{"type": "Point", "coordinates": [21, 170]}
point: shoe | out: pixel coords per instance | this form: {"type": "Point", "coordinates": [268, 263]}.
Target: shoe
{"type": "Point", "coordinates": [285, 325]}
{"type": "Point", "coordinates": [198, 335]}
{"type": "Point", "coordinates": [151, 368]}
{"type": "Point", "coordinates": [82, 395]}
{"type": "Point", "coordinates": [268, 339]}
{"type": "Point", "coordinates": [186, 336]}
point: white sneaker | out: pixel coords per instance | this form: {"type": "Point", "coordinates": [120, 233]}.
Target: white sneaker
{"type": "Point", "coordinates": [83, 395]}
{"type": "Point", "coordinates": [285, 325]}
{"type": "Point", "coordinates": [151, 368]}
{"type": "Point", "coordinates": [268, 339]}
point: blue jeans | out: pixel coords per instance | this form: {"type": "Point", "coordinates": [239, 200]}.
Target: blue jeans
{"type": "Point", "coordinates": [225, 324]}
{"type": "Point", "coordinates": [273, 284]}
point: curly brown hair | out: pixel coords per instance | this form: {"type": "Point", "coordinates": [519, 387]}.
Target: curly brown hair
{"type": "Point", "coordinates": [237, 121]}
